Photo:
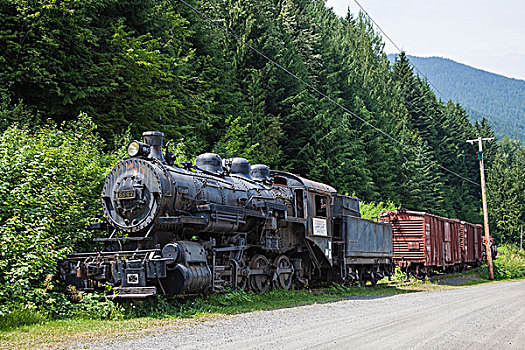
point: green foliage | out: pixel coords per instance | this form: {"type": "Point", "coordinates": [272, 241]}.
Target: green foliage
{"type": "Point", "coordinates": [20, 317]}
{"type": "Point", "coordinates": [50, 182]}
{"type": "Point", "coordinates": [509, 264]}
{"type": "Point", "coordinates": [236, 141]}
{"type": "Point", "coordinates": [11, 113]}
{"type": "Point", "coordinates": [373, 210]}
{"type": "Point", "coordinates": [52, 305]}
{"type": "Point", "coordinates": [400, 278]}
{"type": "Point", "coordinates": [122, 62]}
{"type": "Point", "coordinates": [95, 307]}
{"type": "Point", "coordinates": [505, 190]}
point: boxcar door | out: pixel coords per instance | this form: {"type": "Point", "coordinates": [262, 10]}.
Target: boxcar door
{"type": "Point", "coordinates": [448, 246]}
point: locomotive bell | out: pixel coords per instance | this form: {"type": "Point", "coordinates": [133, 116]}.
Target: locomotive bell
{"type": "Point", "coordinates": [154, 139]}
{"type": "Point", "coordinates": [240, 167]}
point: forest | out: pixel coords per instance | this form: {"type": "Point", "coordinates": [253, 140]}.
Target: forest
{"type": "Point", "coordinates": [78, 79]}
{"type": "Point", "coordinates": [483, 94]}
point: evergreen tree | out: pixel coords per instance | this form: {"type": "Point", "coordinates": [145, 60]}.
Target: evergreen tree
{"type": "Point", "coordinates": [505, 189]}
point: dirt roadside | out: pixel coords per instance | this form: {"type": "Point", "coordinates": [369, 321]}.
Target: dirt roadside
{"type": "Point", "coordinates": [479, 317]}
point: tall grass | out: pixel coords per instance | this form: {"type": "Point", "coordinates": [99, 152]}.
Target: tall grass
{"type": "Point", "coordinates": [21, 317]}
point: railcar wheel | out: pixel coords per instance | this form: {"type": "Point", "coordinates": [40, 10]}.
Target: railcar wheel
{"type": "Point", "coordinates": [284, 272]}
{"type": "Point", "coordinates": [259, 280]}
{"type": "Point", "coordinates": [365, 275]}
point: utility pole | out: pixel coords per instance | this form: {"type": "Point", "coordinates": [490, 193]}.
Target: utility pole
{"type": "Point", "coordinates": [480, 140]}
{"type": "Point", "coordinates": [521, 238]}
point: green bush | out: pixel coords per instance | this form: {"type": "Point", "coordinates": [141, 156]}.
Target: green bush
{"type": "Point", "coordinates": [11, 112]}
{"type": "Point", "coordinates": [50, 184]}
{"type": "Point", "coordinates": [372, 210]}
{"type": "Point", "coordinates": [95, 306]}
{"type": "Point", "coordinates": [509, 264]}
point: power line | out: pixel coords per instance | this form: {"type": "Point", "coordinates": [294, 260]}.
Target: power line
{"type": "Point", "coordinates": [414, 66]}
{"type": "Point", "coordinates": [222, 28]}
{"type": "Point", "coordinates": [411, 63]}
{"type": "Point", "coordinates": [397, 47]}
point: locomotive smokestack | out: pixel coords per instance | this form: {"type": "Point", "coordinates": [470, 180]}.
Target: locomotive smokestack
{"type": "Point", "coordinates": [154, 139]}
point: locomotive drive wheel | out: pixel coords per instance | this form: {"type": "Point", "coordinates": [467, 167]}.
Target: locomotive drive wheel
{"type": "Point", "coordinates": [284, 272]}
{"type": "Point", "coordinates": [259, 282]}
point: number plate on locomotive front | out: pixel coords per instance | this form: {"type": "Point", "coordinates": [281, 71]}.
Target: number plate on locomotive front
{"type": "Point", "coordinates": [126, 194]}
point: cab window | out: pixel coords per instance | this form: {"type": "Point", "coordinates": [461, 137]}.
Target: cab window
{"type": "Point", "coordinates": [320, 206]}
{"type": "Point", "coordinates": [299, 203]}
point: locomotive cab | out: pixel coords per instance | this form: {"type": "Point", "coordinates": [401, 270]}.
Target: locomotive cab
{"type": "Point", "coordinates": [311, 215]}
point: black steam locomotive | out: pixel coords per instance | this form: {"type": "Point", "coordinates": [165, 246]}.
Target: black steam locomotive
{"type": "Point", "coordinates": [192, 228]}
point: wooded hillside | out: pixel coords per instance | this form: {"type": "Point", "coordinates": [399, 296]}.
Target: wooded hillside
{"type": "Point", "coordinates": [159, 65]}
{"type": "Point", "coordinates": [483, 94]}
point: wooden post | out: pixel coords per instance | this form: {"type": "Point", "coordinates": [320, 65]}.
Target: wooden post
{"type": "Point", "coordinates": [484, 200]}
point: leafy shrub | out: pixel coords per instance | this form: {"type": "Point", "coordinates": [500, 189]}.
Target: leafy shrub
{"type": "Point", "coordinates": [372, 210]}
{"type": "Point", "coordinates": [509, 264]}
{"type": "Point", "coordinates": [96, 306]}
{"type": "Point", "coordinates": [50, 184]}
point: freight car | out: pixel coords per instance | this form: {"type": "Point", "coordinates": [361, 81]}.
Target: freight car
{"type": "Point", "coordinates": [216, 224]}
{"type": "Point", "coordinates": [424, 243]}
{"type": "Point", "coordinates": [472, 243]}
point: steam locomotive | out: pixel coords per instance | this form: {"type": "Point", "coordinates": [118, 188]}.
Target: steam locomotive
{"type": "Point", "coordinates": [221, 223]}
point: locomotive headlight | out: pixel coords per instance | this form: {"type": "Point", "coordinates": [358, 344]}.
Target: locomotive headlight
{"type": "Point", "coordinates": [133, 148]}
{"type": "Point", "coordinates": [136, 148]}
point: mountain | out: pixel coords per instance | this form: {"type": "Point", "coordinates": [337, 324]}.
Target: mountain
{"type": "Point", "coordinates": [499, 99]}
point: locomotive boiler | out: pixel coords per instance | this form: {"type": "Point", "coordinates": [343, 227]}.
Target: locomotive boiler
{"type": "Point", "coordinates": [193, 228]}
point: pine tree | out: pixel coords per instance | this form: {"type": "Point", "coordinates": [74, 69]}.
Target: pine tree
{"type": "Point", "coordinates": [505, 190]}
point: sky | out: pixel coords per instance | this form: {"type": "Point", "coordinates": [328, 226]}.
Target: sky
{"type": "Point", "coordinates": [488, 35]}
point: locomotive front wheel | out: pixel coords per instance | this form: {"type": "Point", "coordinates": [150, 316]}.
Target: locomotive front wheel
{"type": "Point", "coordinates": [284, 272]}
{"type": "Point", "coordinates": [259, 279]}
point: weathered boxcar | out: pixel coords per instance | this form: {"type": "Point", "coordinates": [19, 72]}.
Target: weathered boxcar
{"type": "Point", "coordinates": [423, 242]}
{"type": "Point", "coordinates": [471, 243]}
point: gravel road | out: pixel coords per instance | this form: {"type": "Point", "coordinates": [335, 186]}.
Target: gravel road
{"type": "Point", "coordinates": [490, 316]}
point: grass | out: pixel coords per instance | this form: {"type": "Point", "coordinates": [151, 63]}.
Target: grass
{"type": "Point", "coordinates": [20, 317]}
